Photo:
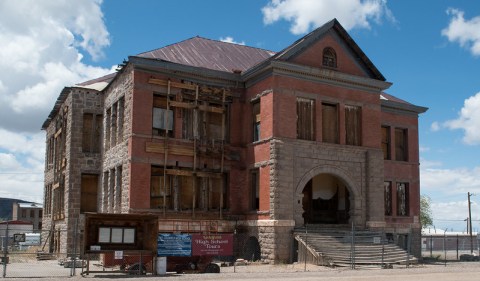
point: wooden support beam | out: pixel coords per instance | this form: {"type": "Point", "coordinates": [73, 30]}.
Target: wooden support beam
{"type": "Point", "coordinates": [178, 172]}
{"type": "Point", "coordinates": [172, 84]}
{"type": "Point", "coordinates": [209, 175]}
{"type": "Point", "coordinates": [173, 149]}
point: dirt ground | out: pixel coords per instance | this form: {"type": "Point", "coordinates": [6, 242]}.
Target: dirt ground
{"type": "Point", "coordinates": [453, 271]}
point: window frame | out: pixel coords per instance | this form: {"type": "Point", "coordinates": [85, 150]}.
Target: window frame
{"type": "Point", "coordinates": [329, 57]}
{"type": "Point", "coordinates": [403, 197]}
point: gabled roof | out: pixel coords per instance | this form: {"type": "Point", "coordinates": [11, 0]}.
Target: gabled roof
{"type": "Point", "coordinates": [210, 54]}
{"type": "Point", "coordinates": [308, 40]}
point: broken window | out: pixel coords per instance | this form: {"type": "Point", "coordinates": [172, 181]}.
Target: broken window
{"type": "Point", "coordinates": [256, 120]}
{"type": "Point", "coordinates": [353, 125]}
{"type": "Point", "coordinates": [388, 197]}
{"type": "Point", "coordinates": [160, 189]}
{"type": "Point", "coordinates": [329, 57]}
{"type": "Point", "coordinates": [88, 197]}
{"type": "Point", "coordinates": [162, 117]}
{"type": "Point", "coordinates": [113, 126]}
{"type": "Point", "coordinates": [329, 123]}
{"type": "Point", "coordinates": [386, 142]}
{"type": "Point", "coordinates": [305, 119]}
{"type": "Point", "coordinates": [255, 189]}
{"type": "Point", "coordinates": [92, 130]}
{"type": "Point", "coordinates": [402, 199]}
{"type": "Point", "coordinates": [401, 148]}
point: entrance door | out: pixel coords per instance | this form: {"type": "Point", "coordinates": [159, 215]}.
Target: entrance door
{"type": "Point", "coordinates": [325, 201]}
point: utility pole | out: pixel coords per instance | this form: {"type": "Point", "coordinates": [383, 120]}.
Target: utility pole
{"type": "Point", "coordinates": [470, 222]}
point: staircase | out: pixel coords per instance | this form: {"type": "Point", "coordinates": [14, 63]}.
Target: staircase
{"type": "Point", "coordinates": [333, 246]}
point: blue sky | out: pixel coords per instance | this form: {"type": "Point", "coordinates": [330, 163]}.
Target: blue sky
{"type": "Point", "coordinates": [429, 50]}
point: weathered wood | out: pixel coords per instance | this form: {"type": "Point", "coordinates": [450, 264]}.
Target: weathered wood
{"type": "Point", "coordinates": [178, 172]}
{"type": "Point", "coordinates": [172, 84]}
{"type": "Point", "coordinates": [173, 149]}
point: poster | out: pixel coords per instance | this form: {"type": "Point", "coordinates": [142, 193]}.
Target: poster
{"type": "Point", "coordinates": [174, 245]}
{"type": "Point", "coordinates": [212, 244]}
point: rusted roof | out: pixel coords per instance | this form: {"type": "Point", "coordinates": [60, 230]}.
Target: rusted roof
{"type": "Point", "coordinates": [211, 54]}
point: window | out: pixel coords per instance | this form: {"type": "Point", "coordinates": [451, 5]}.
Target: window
{"type": "Point", "coordinates": [162, 117]}
{"type": "Point", "coordinates": [386, 142]}
{"type": "Point", "coordinates": [32, 213]}
{"type": "Point", "coordinates": [116, 235]}
{"type": "Point", "coordinates": [48, 199]}
{"type": "Point", "coordinates": [108, 121]}
{"type": "Point", "coordinates": [92, 130]}
{"type": "Point", "coordinates": [120, 123]}
{"type": "Point", "coordinates": [256, 120]}
{"type": "Point", "coordinates": [402, 199]}
{"type": "Point", "coordinates": [329, 57]}
{"type": "Point", "coordinates": [401, 149]}
{"type": "Point", "coordinates": [329, 123]}
{"type": "Point", "coordinates": [353, 125]}
{"type": "Point", "coordinates": [105, 192]}
{"type": "Point", "coordinates": [174, 192]}
{"type": "Point", "coordinates": [388, 197]}
{"type": "Point", "coordinates": [305, 119]}
{"type": "Point", "coordinates": [24, 213]}
{"type": "Point", "coordinates": [255, 189]}
{"type": "Point", "coordinates": [118, 189]}
{"type": "Point", "coordinates": [88, 197]}
{"type": "Point", "coordinates": [58, 202]}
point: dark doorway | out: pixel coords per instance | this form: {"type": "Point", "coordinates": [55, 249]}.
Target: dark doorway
{"type": "Point", "coordinates": [326, 201]}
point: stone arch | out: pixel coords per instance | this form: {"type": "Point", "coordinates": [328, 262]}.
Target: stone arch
{"type": "Point", "coordinates": [342, 175]}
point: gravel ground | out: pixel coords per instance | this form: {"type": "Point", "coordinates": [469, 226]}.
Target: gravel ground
{"type": "Point", "coordinates": [454, 271]}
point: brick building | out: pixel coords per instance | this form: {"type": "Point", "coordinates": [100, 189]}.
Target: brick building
{"type": "Point", "coordinates": [31, 212]}
{"type": "Point", "coordinates": [213, 136]}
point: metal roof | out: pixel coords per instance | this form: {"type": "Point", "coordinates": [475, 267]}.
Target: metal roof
{"type": "Point", "coordinates": [210, 54]}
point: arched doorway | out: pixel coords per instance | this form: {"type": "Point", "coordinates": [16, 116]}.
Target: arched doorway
{"type": "Point", "coordinates": [326, 200]}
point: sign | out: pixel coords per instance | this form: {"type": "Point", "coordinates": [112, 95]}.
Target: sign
{"type": "Point", "coordinates": [118, 255]}
{"type": "Point", "coordinates": [19, 237]}
{"type": "Point", "coordinates": [95, 248]}
{"type": "Point", "coordinates": [212, 244]}
{"type": "Point", "coordinates": [174, 245]}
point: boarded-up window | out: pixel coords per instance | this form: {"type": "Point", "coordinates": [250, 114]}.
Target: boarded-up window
{"type": "Point", "coordinates": [162, 117]}
{"type": "Point", "coordinates": [121, 113]}
{"type": "Point", "coordinates": [88, 197]}
{"type": "Point", "coordinates": [160, 189]}
{"type": "Point", "coordinates": [329, 123]}
{"type": "Point", "coordinates": [388, 197]}
{"type": "Point", "coordinates": [386, 142]}
{"type": "Point", "coordinates": [305, 119]}
{"type": "Point", "coordinates": [353, 125]}
{"type": "Point", "coordinates": [402, 199]}
{"type": "Point", "coordinates": [187, 192]}
{"type": "Point", "coordinates": [92, 131]}
{"type": "Point", "coordinates": [256, 120]}
{"type": "Point", "coordinates": [401, 148]}
{"type": "Point", "coordinates": [255, 189]}
{"type": "Point", "coordinates": [118, 189]}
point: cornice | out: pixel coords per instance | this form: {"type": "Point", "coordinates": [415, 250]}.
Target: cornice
{"type": "Point", "coordinates": [319, 75]}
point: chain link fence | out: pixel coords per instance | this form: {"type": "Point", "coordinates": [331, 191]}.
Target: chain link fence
{"type": "Point", "coordinates": [456, 247]}
{"type": "Point", "coordinates": [31, 253]}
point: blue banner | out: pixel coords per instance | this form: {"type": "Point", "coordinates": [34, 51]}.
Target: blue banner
{"type": "Point", "coordinates": [174, 245]}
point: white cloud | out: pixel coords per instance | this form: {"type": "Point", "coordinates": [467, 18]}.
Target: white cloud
{"type": "Point", "coordinates": [308, 14]}
{"type": "Point", "coordinates": [468, 120]}
{"type": "Point", "coordinates": [435, 126]}
{"type": "Point", "coordinates": [43, 44]}
{"type": "Point", "coordinates": [465, 32]}
{"type": "Point", "coordinates": [448, 190]}
{"type": "Point", "coordinates": [230, 39]}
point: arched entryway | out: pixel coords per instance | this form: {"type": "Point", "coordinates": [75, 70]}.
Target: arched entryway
{"type": "Point", "coordinates": [326, 200]}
